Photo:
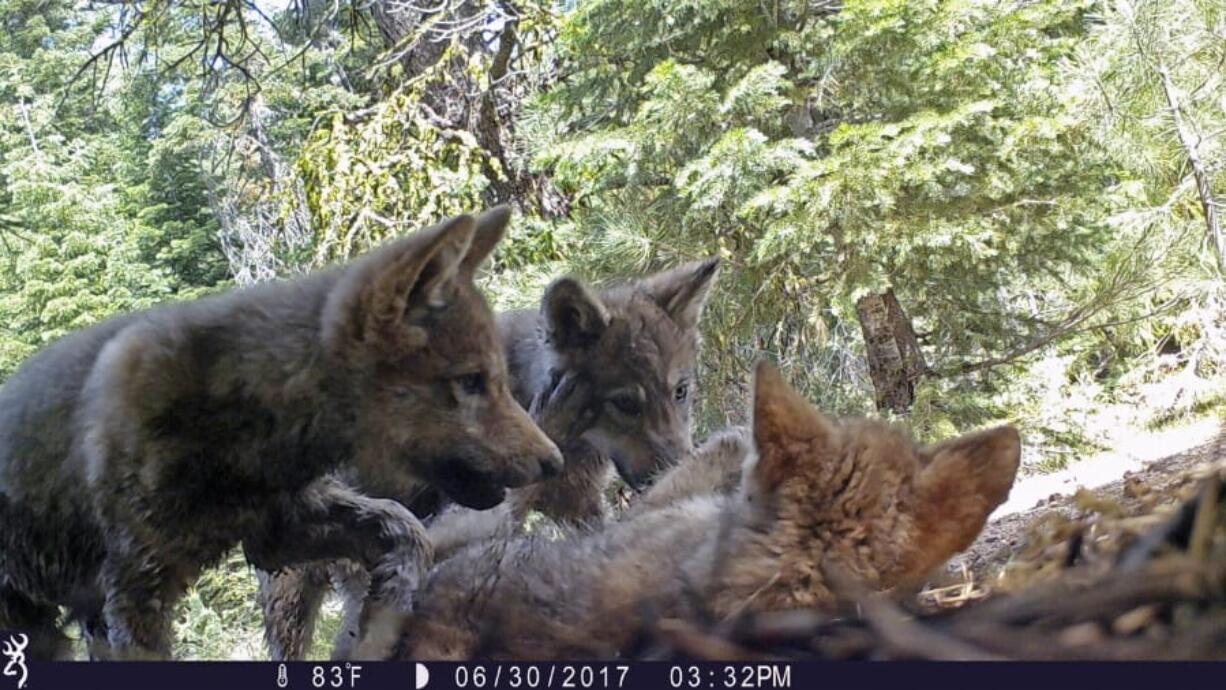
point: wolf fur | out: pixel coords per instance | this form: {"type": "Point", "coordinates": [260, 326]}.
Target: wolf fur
{"type": "Point", "coordinates": [138, 451]}
{"type": "Point", "coordinates": [856, 494]}
{"type": "Point", "coordinates": [637, 346]}
{"type": "Point", "coordinates": [610, 377]}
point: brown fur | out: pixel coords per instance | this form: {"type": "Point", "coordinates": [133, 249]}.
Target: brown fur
{"type": "Point", "coordinates": [857, 494]}
{"type": "Point", "coordinates": [636, 348]}
{"type": "Point", "coordinates": [714, 469]}
{"type": "Point", "coordinates": [570, 362]}
{"type": "Point", "coordinates": [138, 451]}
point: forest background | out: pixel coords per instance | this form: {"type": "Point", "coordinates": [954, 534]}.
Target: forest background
{"type": "Point", "coordinates": [948, 212]}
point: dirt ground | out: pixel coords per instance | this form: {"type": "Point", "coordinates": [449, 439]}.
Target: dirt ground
{"type": "Point", "coordinates": [1006, 534]}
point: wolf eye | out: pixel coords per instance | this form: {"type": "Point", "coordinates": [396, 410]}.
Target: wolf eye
{"type": "Point", "coordinates": [627, 404]}
{"type": "Point", "coordinates": [472, 384]}
{"type": "Point", "coordinates": [681, 392]}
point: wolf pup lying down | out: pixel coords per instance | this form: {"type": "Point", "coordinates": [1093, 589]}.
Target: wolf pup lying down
{"type": "Point", "coordinates": [856, 494]}
{"type": "Point", "coordinates": [138, 451]}
{"type": "Point", "coordinates": [610, 376]}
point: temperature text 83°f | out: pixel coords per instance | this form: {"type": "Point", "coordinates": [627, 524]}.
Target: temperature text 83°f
{"type": "Point", "coordinates": [335, 675]}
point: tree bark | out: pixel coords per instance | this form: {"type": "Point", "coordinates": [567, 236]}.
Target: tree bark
{"type": "Point", "coordinates": [257, 233]}
{"type": "Point", "coordinates": [398, 22]}
{"type": "Point", "coordinates": [420, 38]}
{"type": "Point", "coordinates": [505, 183]}
{"type": "Point", "coordinates": [895, 361]}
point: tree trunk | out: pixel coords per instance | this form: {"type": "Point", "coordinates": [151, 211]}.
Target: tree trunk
{"type": "Point", "coordinates": [505, 185]}
{"type": "Point", "coordinates": [895, 362]}
{"type": "Point", "coordinates": [420, 37]}
{"type": "Point", "coordinates": [257, 233]}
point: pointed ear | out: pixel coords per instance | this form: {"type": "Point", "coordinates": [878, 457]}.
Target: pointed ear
{"type": "Point", "coordinates": [414, 271]}
{"type": "Point", "coordinates": [490, 228]}
{"type": "Point", "coordinates": [372, 296]}
{"type": "Point", "coordinates": [682, 292]}
{"type": "Point", "coordinates": [787, 430]}
{"type": "Point", "coordinates": [574, 315]}
{"type": "Point", "coordinates": [962, 482]}
{"type": "Point", "coordinates": [421, 272]}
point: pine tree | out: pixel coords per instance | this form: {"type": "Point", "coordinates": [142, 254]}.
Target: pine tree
{"type": "Point", "coordinates": [920, 155]}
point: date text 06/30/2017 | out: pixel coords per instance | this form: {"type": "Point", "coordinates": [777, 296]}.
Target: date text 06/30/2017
{"type": "Point", "coordinates": [615, 676]}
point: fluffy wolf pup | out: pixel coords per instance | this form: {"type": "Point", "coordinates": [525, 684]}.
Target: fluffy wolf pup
{"type": "Point", "coordinates": [631, 354]}
{"type": "Point", "coordinates": [609, 375]}
{"type": "Point", "coordinates": [856, 494]}
{"type": "Point", "coordinates": [138, 451]}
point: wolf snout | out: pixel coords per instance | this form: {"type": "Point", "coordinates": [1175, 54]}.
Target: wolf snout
{"type": "Point", "coordinates": [530, 468]}
{"type": "Point", "coordinates": [547, 457]}
{"type": "Point", "coordinates": [551, 465]}
{"type": "Point", "coordinates": [641, 473]}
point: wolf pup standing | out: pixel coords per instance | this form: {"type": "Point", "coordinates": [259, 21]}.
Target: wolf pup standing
{"type": "Point", "coordinates": [610, 376]}
{"type": "Point", "coordinates": [856, 495]}
{"type": "Point", "coordinates": [138, 451]}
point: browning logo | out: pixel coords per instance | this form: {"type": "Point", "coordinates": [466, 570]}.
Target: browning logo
{"type": "Point", "coordinates": [14, 651]}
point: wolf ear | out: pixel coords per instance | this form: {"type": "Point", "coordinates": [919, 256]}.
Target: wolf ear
{"type": "Point", "coordinates": [373, 295]}
{"type": "Point", "coordinates": [421, 273]}
{"type": "Point", "coordinates": [682, 292]}
{"type": "Point", "coordinates": [787, 431]}
{"type": "Point", "coordinates": [490, 228]}
{"type": "Point", "coordinates": [574, 315]}
{"type": "Point", "coordinates": [961, 483]}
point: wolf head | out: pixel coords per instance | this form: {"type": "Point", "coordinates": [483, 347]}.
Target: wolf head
{"type": "Point", "coordinates": [420, 350]}
{"type": "Point", "coordinates": [638, 347]}
{"type": "Point", "coordinates": [860, 495]}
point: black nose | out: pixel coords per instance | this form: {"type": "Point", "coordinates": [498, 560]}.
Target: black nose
{"type": "Point", "coordinates": [551, 466]}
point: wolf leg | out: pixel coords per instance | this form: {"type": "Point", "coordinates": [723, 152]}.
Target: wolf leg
{"type": "Point", "coordinates": [137, 609]}
{"type": "Point", "coordinates": [352, 585]}
{"type": "Point", "coordinates": [328, 521]}
{"type": "Point", "coordinates": [291, 598]}
{"type": "Point", "coordinates": [19, 613]}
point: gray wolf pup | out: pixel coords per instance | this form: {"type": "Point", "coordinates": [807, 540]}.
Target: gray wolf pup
{"type": "Point", "coordinates": [609, 375]}
{"type": "Point", "coordinates": [138, 451]}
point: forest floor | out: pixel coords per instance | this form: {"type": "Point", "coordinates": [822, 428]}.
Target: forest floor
{"type": "Point", "coordinates": [1141, 464]}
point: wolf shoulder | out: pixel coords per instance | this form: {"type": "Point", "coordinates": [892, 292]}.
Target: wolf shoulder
{"type": "Point", "coordinates": [41, 404]}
